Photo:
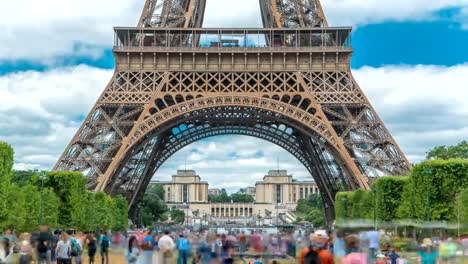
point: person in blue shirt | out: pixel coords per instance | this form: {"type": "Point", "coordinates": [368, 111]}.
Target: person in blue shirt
{"type": "Point", "coordinates": [427, 255]}
{"type": "Point", "coordinates": [393, 257]}
{"type": "Point", "coordinates": [183, 245]}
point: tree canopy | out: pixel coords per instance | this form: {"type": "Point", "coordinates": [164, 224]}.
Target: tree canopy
{"type": "Point", "coordinates": [459, 151]}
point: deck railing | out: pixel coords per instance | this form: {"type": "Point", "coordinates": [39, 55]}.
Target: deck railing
{"type": "Point", "coordinates": [231, 39]}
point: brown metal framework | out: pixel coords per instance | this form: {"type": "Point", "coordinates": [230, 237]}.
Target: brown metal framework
{"type": "Point", "coordinates": [289, 83]}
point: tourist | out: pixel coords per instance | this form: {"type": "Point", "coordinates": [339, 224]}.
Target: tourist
{"type": "Point", "coordinates": [76, 246]}
{"type": "Point", "coordinates": [132, 252]}
{"type": "Point", "coordinates": [26, 251]}
{"type": "Point", "coordinates": [104, 243]}
{"type": "Point", "coordinates": [339, 246]}
{"type": "Point", "coordinates": [92, 248]}
{"type": "Point", "coordinates": [6, 251]}
{"type": "Point", "coordinates": [166, 246]}
{"type": "Point", "coordinates": [53, 245]}
{"type": "Point", "coordinates": [42, 245]}
{"type": "Point", "coordinates": [427, 254]}
{"type": "Point", "coordinates": [227, 249]}
{"type": "Point", "coordinates": [393, 257]}
{"type": "Point", "coordinates": [183, 245]}
{"type": "Point", "coordinates": [63, 250]}
{"type": "Point", "coordinates": [257, 260]}
{"type": "Point", "coordinates": [372, 237]}
{"type": "Point", "coordinates": [353, 256]}
{"type": "Point", "coordinates": [147, 248]}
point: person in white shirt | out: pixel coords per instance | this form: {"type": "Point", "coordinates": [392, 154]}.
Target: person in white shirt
{"type": "Point", "coordinates": [63, 250]}
{"type": "Point", "coordinates": [6, 251]}
{"type": "Point", "coordinates": [166, 246]}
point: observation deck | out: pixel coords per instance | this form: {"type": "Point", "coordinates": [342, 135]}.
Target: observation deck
{"type": "Point", "coordinates": [219, 49]}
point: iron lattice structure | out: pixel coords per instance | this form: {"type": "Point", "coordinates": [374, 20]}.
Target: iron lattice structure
{"type": "Point", "coordinates": [289, 83]}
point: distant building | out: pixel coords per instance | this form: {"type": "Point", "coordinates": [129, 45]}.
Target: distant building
{"type": "Point", "coordinates": [248, 190]}
{"type": "Point", "coordinates": [275, 196]}
{"type": "Point", "coordinates": [214, 192]}
{"type": "Point", "coordinates": [186, 187]}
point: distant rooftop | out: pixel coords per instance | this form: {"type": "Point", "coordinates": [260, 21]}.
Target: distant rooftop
{"type": "Point", "coordinates": [186, 173]}
{"type": "Point", "coordinates": [277, 173]}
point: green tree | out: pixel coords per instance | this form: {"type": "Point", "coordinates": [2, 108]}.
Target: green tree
{"type": "Point", "coordinates": [120, 213]}
{"type": "Point", "coordinates": [434, 185]}
{"type": "Point", "coordinates": [6, 159]}
{"type": "Point", "coordinates": [70, 187]}
{"type": "Point", "coordinates": [459, 151]}
{"type": "Point", "coordinates": [462, 207]}
{"type": "Point", "coordinates": [223, 197]}
{"type": "Point", "coordinates": [361, 206]}
{"type": "Point", "coordinates": [178, 216]}
{"type": "Point", "coordinates": [22, 178]}
{"type": "Point", "coordinates": [343, 205]}
{"type": "Point", "coordinates": [241, 198]}
{"type": "Point", "coordinates": [315, 216]}
{"type": "Point", "coordinates": [152, 208]}
{"type": "Point", "coordinates": [389, 195]}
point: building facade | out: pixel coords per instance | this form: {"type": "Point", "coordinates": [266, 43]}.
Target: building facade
{"type": "Point", "coordinates": [277, 195]}
{"type": "Point", "coordinates": [186, 187]}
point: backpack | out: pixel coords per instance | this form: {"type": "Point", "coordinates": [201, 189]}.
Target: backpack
{"type": "Point", "coordinates": [75, 247]}
{"type": "Point", "coordinates": [312, 257]}
{"type": "Point", "coordinates": [105, 243]}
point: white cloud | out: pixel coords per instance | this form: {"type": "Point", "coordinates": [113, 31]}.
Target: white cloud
{"type": "Point", "coordinates": [360, 12]}
{"type": "Point", "coordinates": [40, 112]}
{"type": "Point", "coordinates": [50, 30]}
{"type": "Point", "coordinates": [423, 106]}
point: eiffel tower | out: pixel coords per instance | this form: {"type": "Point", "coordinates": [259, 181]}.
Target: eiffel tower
{"type": "Point", "coordinates": [288, 83]}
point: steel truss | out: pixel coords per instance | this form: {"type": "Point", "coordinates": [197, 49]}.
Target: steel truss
{"type": "Point", "coordinates": [168, 91]}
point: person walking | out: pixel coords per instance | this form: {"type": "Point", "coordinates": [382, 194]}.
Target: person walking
{"type": "Point", "coordinates": [147, 249]}
{"type": "Point", "coordinates": [76, 246]}
{"type": "Point", "coordinates": [132, 252]}
{"type": "Point", "coordinates": [92, 248]}
{"type": "Point", "coordinates": [26, 250]}
{"type": "Point", "coordinates": [53, 245]}
{"type": "Point", "coordinates": [63, 250]}
{"type": "Point", "coordinates": [166, 246]}
{"type": "Point", "coordinates": [183, 245]}
{"type": "Point", "coordinates": [6, 251]}
{"type": "Point", "coordinates": [104, 243]}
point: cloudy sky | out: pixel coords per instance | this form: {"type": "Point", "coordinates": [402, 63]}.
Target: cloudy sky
{"type": "Point", "coordinates": [411, 59]}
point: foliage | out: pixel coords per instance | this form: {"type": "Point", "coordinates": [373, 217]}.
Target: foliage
{"type": "Point", "coordinates": [22, 178]}
{"type": "Point", "coordinates": [241, 198]}
{"type": "Point", "coordinates": [70, 188]}
{"type": "Point", "coordinates": [153, 209]}
{"type": "Point", "coordinates": [304, 206]}
{"type": "Point", "coordinates": [6, 159]}
{"type": "Point", "coordinates": [120, 214]}
{"type": "Point", "coordinates": [389, 192]}
{"type": "Point", "coordinates": [435, 185]}
{"type": "Point", "coordinates": [343, 205]}
{"type": "Point", "coordinates": [316, 217]}
{"type": "Point", "coordinates": [65, 201]}
{"type": "Point", "coordinates": [312, 209]}
{"type": "Point", "coordinates": [223, 197]}
{"type": "Point", "coordinates": [462, 206]}
{"type": "Point", "coordinates": [178, 216]}
{"type": "Point", "coordinates": [459, 151]}
{"type": "Point", "coordinates": [362, 205]}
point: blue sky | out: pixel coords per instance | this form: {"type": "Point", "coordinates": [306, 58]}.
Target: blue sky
{"type": "Point", "coordinates": [411, 60]}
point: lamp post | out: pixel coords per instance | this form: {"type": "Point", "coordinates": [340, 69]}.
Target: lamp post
{"type": "Point", "coordinates": [42, 177]}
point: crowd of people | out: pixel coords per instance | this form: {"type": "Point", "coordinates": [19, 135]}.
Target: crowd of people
{"type": "Point", "coordinates": [257, 246]}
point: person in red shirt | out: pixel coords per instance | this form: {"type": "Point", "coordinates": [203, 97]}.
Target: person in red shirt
{"type": "Point", "coordinates": [318, 240]}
